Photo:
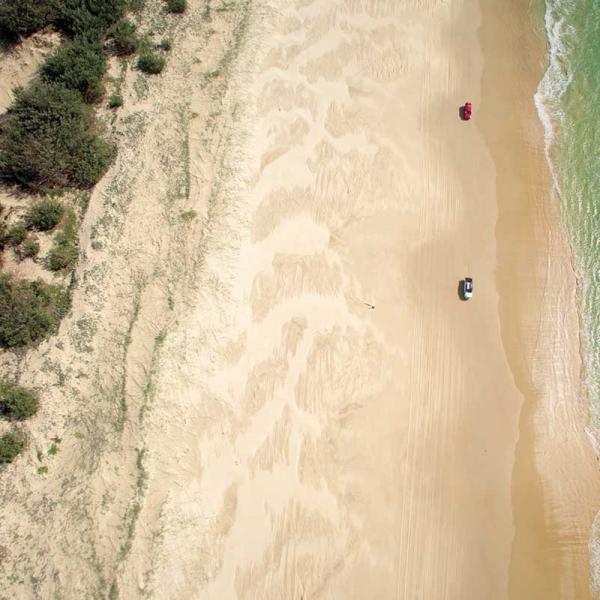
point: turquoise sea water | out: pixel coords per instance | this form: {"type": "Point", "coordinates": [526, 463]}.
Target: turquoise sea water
{"type": "Point", "coordinates": [568, 101]}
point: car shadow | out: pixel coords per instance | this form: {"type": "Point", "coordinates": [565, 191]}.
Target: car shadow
{"type": "Point", "coordinates": [461, 290]}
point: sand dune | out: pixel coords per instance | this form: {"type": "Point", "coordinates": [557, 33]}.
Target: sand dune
{"type": "Point", "coordinates": [281, 395]}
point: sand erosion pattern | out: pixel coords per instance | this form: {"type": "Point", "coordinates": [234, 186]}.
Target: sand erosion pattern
{"type": "Point", "coordinates": [247, 424]}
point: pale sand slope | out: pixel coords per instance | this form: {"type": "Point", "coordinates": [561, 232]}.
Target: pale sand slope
{"type": "Point", "coordinates": [19, 64]}
{"type": "Point", "coordinates": [280, 438]}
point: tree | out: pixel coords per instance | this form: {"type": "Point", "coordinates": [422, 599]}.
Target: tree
{"type": "Point", "coordinates": [17, 403]}
{"type": "Point", "coordinates": [11, 444]}
{"type": "Point", "coordinates": [48, 140]}
{"type": "Point", "coordinates": [79, 65]}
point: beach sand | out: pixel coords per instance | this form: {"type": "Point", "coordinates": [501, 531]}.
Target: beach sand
{"type": "Point", "coordinates": [282, 395]}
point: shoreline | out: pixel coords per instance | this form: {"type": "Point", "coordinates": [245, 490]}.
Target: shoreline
{"type": "Point", "coordinates": [283, 396]}
{"type": "Point", "coordinates": [549, 555]}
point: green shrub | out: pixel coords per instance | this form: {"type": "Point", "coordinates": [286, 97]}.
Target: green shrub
{"type": "Point", "coordinates": [151, 63]}
{"type": "Point", "coordinates": [136, 5]}
{"type": "Point", "coordinates": [48, 140]}
{"type": "Point", "coordinates": [165, 44]}
{"type": "Point", "coordinates": [17, 403]}
{"type": "Point", "coordinates": [124, 39]}
{"type": "Point", "coordinates": [11, 444]}
{"type": "Point", "coordinates": [44, 215]}
{"type": "Point", "coordinates": [21, 17]}
{"type": "Point", "coordinates": [115, 101]}
{"type": "Point", "coordinates": [16, 234]}
{"type": "Point", "coordinates": [78, 65]}
{"type": "Point", "coordinates": [30, 248]}
{"type": "Point", "coordinates": [64, 252]}
{"type": "Point", "coordinates": [89, 18]}
{"type": "Point", "coordinates": [28, 310]}
{"type": "Point", "coordinates": [176, 6]}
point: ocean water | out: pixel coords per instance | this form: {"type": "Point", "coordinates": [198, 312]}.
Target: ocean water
{"type": "Point", "coordinates": [568, 102]}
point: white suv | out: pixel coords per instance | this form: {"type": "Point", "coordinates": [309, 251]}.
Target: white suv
{"type": "Point", "coordinates": [467, 288]}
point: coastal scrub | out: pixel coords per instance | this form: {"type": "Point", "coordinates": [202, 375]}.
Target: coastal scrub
{"type": "Point", "coordinates": [17, 403]}
{"type": "Point", "coordinates": [11, 444]}
{"type": "Point", "coordinates": [49, 141]}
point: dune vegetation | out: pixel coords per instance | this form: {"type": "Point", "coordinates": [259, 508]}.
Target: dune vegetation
{"type": "Point", "coordinates": [53, 147]}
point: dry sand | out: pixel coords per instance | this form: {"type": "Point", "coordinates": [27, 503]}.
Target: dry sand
{"type": "Point", "coordinates": [236, 421]}
{"type": "Point", "coordinates": [19, 64]}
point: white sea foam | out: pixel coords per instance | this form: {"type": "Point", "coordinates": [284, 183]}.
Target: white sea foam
{"type": "Point", "coordinates": [549, 99]}
{"type": "Point", "coordinates": [553, 85]}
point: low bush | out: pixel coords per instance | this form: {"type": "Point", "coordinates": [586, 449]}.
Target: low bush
{"type": "Point", "coordinates": [64, 252]}
{"type": "Point", "coordinates": [30, 248]}
{"type": "Point", "coordinates": [176, 6]}
{"type": "Point", "coordinates": [115, 101]}
{"type": "Point", "coordinates": [17, 403]}
{"type": "Point", "coordinates": [11, 444]}
{"type": "Point", "coordinates": [21, 17]}
{"type": "Point", "coordinates": [28, 310]}
{"type": "Point", "coordinates": [17, 234]}
{"type": "Point", "coordinates": [44, 215]}
{"type": "Point", "coordinates": [78, 65]}
{"type": "Point", "coordinates": [124, 38]}
{"type": "Point", "coordinates": [135, 5]}
{"type": "Point", "coordinates": [90, 18]}
{"type": "Point", "coordinates": [48, 140]}
{"type": "Point", "coordinates": [151, 63]}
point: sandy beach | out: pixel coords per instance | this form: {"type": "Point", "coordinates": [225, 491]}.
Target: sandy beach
{"type": "Point", "coordinates": [268, 386]}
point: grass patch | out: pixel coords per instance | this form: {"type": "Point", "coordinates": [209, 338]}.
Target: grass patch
{"type": "Point", "coordinates": [43, 470]}
{"type": "Point", "coordinates": [53, 450]}
{"type": "Point", "coordinates": [63, 254]}
{"type": "Point", "coordinates": [188, 215]}
{"type": "Point", "coordinates": [115, 101]}
{"type": "Point", "coordinates": [30, 248]}
{"type": "Point", "coordinates": [165, 44]}
{"type": "Point", "coordinates": [135, 508]}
